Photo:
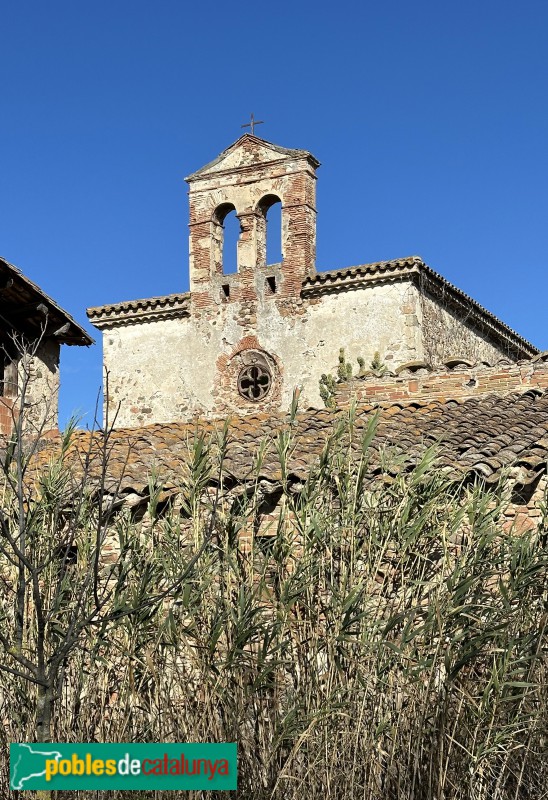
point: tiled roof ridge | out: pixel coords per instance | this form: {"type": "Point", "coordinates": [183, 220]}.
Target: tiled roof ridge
{"type": "Point", "coordinates": [281, 419]}
{"type": "Point", "coordinates": [344, 274]}
{"type": "Point", "coordinates": [484, 436]}
{"type": "Point", "coordinates": [128, 311]}
{"type": "Point", "coordinates": [414, 266]}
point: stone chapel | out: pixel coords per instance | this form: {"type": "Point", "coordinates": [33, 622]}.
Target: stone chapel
{"type": "Point", "coordinates": [241, 343]}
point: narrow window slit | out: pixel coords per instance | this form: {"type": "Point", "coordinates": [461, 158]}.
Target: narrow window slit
{"type": "Point", "coordinates": [226, 291]}
{"type": "Point", "coordinates": [271, 285]}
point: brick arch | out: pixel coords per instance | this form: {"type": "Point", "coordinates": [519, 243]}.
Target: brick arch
{"type": "Point", "coordinates": [247, 343]}
{"type": "Point", "coordinates": [222, 210]}
{"type": "Point", "coordinates": [267, 200]}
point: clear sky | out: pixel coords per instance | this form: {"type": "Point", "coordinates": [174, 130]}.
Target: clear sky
{"type": "Point", "coordinates": [430, 120]}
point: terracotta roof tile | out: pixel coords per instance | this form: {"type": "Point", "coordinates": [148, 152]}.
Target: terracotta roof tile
{"type": "Point", "coordinates": [480, 435]}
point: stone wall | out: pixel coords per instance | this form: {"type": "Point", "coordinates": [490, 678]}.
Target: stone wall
{"type": "Point", "coordinates": [39, 373]}
{"type": "Point", "coordinates": [522, 511]}
{"type": "Point", "coordinates": [447, 330]}
{"type": "Point", "coordinates": [458, 381]}
{"type": "Point", "coordinates": [42, 401]}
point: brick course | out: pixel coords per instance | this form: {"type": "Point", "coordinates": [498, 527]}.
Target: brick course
{"type": "Point", "coordinates": [7, 415]}
{"type": "Point", "coordinates": [458, 383]}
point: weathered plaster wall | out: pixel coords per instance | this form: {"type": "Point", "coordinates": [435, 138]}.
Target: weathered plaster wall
{"type": "Point", "coordinates": [158, 371]}
{"type": "Point", "coordinates": [176, 368]}
{"type": "Point", "coordinates": [375, 318]}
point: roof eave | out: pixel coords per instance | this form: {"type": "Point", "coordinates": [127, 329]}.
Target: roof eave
{"type": "Point", "coordinates": [76, 334]}
{"type": "Point", "coordinates": [137, 311]}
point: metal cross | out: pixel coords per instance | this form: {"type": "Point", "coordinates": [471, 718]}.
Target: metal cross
{"type": "Point", "coordinates": [253, 123]}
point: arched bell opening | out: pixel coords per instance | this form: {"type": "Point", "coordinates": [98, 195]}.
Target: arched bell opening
{"type": "Point", "coordinates": [269, 231]}
{"type": "Point", "coordinates": [227, 234]}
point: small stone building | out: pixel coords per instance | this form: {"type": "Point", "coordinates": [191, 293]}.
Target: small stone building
{"type": "Point", "coordinates": [243, 342]}
{"type": "Point", "coordinates": [32, 329]}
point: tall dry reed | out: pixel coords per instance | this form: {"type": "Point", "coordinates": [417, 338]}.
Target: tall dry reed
{"type": "Point", "coordinates": [385, 639]}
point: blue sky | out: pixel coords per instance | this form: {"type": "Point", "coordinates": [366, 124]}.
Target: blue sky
{"type": "Point", "coordinates": [430, 120]}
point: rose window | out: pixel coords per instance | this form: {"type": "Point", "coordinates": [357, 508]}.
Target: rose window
{"type": "Point", "coordinates": [254, 382]}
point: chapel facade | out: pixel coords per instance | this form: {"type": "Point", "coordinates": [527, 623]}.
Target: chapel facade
{"type": "Point", "coordinates": [241, 343]}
